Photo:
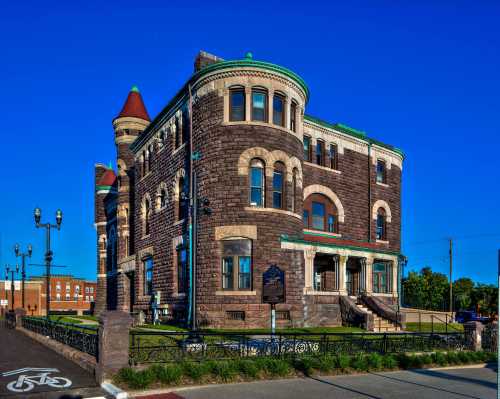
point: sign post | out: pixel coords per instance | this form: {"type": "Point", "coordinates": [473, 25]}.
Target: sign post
{"type": "Point", "coordinates": [273, 290]}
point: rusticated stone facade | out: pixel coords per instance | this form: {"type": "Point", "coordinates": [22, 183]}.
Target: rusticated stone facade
{"type": "Point", "coordinates": [329, 215]}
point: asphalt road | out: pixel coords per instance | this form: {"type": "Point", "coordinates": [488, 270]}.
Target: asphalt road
{"type": "Point", "coordinates": [17, 351]}
{"type": "Point", "coordinates": [477, 383]}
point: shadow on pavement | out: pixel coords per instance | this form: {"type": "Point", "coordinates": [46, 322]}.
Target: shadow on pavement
{"type": "Point", "coordinates": [441, 375]}
{"type": "Point", "coordinates": [448, 376]}
{"type": "Point", "coordinates": [344, 388]}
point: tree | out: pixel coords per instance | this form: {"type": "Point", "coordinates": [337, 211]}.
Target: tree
{"type": "Point", "coordinates": [462, 293]}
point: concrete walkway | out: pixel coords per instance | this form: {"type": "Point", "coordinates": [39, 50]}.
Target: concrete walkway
{"type": "Point", "coordinates": [463, 383]}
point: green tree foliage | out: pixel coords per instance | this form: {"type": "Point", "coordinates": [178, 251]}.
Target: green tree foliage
{"type": "Point", "coordinates": [430, 290]}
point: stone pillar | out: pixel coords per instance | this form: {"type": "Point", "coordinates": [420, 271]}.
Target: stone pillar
{"type": "Point", "coordinates": [113, 351]}
{"type": "Point", "coordinates": [473, 334]}
{"type": "Point", "coordinates": [395, 282]}
{"type": "Point", "coordinates": [19, 313]}
{"type": "Point", "coordinates": [102, 285]}
{"type": "Point", "coordinates": [309, 256]}
{"type": "Point", "coordinates": [248, 104]}
{"type": "Point", "coordinates": [122, 291]}
{"type": "Point", "coordinates": [342, 274]}
{"type": "Point", "coordinates": [369, 276]}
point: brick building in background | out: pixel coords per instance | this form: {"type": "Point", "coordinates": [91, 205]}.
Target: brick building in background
{"type": "Point", "coordinates": [320, 200]}
{"type": "Point", "coordinates": [67, 294]}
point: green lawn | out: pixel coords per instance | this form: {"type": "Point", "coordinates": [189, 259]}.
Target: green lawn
{"type": "Point", "coordinates": [85, 317]}
{"type": "Point", "coordinates": [438, 327]}
{"type": "Point", "coordinates": [65, 319]}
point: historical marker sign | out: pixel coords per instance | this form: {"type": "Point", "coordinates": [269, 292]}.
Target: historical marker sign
{"type": "Point", "coordinates": [273, 285]}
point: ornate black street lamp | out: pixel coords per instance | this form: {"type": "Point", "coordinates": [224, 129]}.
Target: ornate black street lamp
{"type": "Point", "coordinates": [11, 270]}
{"type": "Point", "coordinates": [23, 256]}
{"type": "Point", "coordinates": [32, 309]}
{"type": "Point", "coordinates": [48, 252]}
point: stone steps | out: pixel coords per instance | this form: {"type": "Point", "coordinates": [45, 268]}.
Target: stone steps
{"type": "Point", "coordinates": [379, 323]}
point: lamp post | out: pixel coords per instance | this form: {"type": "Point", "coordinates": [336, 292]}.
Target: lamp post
{"type": "Point", "coordinates": [32, 309]}
{"type": "Point", "coordinates": [23, 256]}
{"type": "Point", "coordinates": [48, 252]}
{"type": "Point", "coordinates": [11, 270]}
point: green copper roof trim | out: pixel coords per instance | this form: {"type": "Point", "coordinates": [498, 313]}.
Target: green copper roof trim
{"type": "Point", "coordinates": [104, 188]}
{"type": "Point", "coordinates": [352, 132]}
{"type": "Point", "coordinates": [250, 62]}
{"type": "Point", "coordinates": [175, 103]}
{"type": "Point", "coordinates": [135, 89]}
{"type": "Point", "coordinates": [353, 247]}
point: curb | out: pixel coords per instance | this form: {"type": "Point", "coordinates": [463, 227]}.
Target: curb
{"type": "Point", "coordinates": [114, 391]}
{"type": "Point", "coordinates": [467, 366]}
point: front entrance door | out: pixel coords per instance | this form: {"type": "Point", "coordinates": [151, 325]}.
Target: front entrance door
{"type": "Point", "coordinates": [352, 282]}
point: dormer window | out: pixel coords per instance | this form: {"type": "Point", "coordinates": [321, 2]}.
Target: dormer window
{"type": "Point", "coordinates": [237, 104]}
{"type": "Point", "coordinates": [259, 105]}
{"type": "Point", "coordinates": [279, 110]}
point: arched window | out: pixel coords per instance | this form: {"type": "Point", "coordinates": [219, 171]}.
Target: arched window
{"type": "Point", "coordinates": [320, 213]}
{"type": "Point", "coordinates": [182, 203]}
{"type": "Point", "coordinates": [278, 185]}
{"type": "Point", "coordinates": [163, 197]}
{"type": "Point", "coordinates": [259, 105]}
{"type": "Point", "coordinates": [257, 186]}
{"type": "Point", "coordinates": [150, 157]}
{"type": "Point", "coordinates": [381, 224]}
{"type": "Point", "coordinates": [294, 190]}
{"type": "Point", "coordinates": [236, 264]}
{"type": "Point", "coordinates": [237, 104]}
{"type": "Point", "coordinates": [147, 217]}
{"type": "Point", "coordinates": [279, 109]}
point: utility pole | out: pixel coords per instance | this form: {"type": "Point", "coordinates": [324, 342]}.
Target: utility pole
{"type": "Point", "coordinates": [451, 279]}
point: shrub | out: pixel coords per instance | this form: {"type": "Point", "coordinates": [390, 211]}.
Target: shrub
{"type": "Point", "coordinates": [277, 367]}
{"type": "Point", "coordinates": [375, 361]}
{"type": "Point", "coordinates": [440, 359]}
{"type": "Point", "coordinates": [124, 375]}
{"type": "Point", "coordinates": [404, 361]}
{"type": "Point", "coordinates": [248, 368]}
{"type": "Point", "coordinates": [226, 371]}
{"type": "Point", "coordinates": [326, 363]}
{"type": "Point", "coordinates": [195, 371]}
{"type": "Point", "coordinates": [390, 362]}
{"type": "Point", "coordinates": [170, 374]}
{"type": "Point", "coordinates": [464, 357]}
{"type": "Point", "coordinates": [426, 359]}
{"type": "Point", "coordinates": [452, 358]}
{"type": "Point", "coordinates": [416, 361]}
{"type": "Point", "coordinates": [343, 362]}
{"type": "Point", "coordinates": [305, 364]}
{"type": "Point", "coordinates": [141, 379]}
{"type": "Point", "coordinates": [360, 363]}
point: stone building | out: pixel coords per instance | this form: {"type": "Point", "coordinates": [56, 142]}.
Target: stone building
{"type": "Point", "coordinates": [320, 200]}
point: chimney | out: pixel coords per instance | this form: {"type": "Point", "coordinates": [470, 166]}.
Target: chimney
{"type": "Point", "coordinates": [204, 59]}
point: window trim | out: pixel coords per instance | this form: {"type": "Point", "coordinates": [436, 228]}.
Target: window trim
{"type": "Point", "coordinates": [266, 106]}
{"type": "Point", "coordinates": [236, 266]}
{"type": "Point", "coordinates": [282, 98]}
{"type": "Point", "coordinates": [330, 209]}
{"type": "Point", "coordinates": [231, 92]}
{"type": "Point", "coordinates": [262, 186]}
{"type": "Point", "coordinates": [382, 176]}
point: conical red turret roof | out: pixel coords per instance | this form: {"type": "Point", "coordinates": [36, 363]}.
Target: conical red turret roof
{"type": "Point", "coordinates": [107, 179]}
{"type": "Point", "coordinates": [134, 106]}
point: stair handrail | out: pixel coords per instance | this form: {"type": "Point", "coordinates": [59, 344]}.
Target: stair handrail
{"type": "Point", "coordinates": [384, 310]}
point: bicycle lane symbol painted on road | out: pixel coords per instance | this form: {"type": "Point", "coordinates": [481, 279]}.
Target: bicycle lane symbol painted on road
{"type": "Point", "coordinates": [30, 377]}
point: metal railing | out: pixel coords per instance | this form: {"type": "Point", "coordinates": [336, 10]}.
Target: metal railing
{"type": "Point", "coordinates": [164, 347]}
{"type": "Point", "coordinates": [82, 338]}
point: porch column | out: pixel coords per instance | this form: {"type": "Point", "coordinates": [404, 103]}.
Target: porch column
{"type": "Point", "coordinates": [394, 282]}
{"type": "Point", "coordinates": [369, 275]}
{"type": "Point", "coordinates": [342, 274]}
{"type": "Point", "coordinates": [309, 269]}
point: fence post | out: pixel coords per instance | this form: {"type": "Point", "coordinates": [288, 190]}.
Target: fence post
{"type": "Point", "coordinates": [113, 344]}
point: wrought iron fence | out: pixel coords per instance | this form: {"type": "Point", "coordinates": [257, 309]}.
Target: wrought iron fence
{"type": "Point", "coordinates": [82, 338]}
{"type": "Point", "coordinates": [10, 320]}
{"type": "Point", "coordinates": [164, 347]}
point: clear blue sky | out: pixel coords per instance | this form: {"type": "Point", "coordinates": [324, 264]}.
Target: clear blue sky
{"type": "Point", "coordinates": [422, 76]}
